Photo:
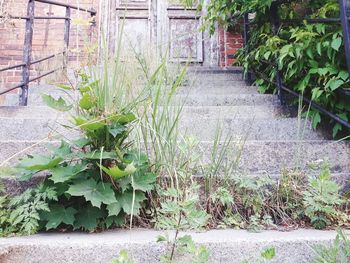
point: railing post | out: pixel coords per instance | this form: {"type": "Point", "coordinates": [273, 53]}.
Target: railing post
{"type": "Point", "coordinates": [248, 75]}
{"type": "Point", "coordinates": [27, 53]}
{"type": "Point", "coordinates": [66, 38]}
{"type": "Point", "coordinates": [344, 17]}
{"type": "Point", "coordinates": [275, 22]}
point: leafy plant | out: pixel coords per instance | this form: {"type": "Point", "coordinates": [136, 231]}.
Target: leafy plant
{"type": "Point", "coordinates": [266, 255]}
{"type": "Point", "coordinates": [123, 257]}
{"type": "Point", "coordinates": [183, 248]}
{"type": "Point", "coordinates": [21, 214]}
{"type": "Point", "coordinates": [100, 178]}
{"type": "Point", "coordinates": [179, 210]}
{"type": "Point", "coordinates": [321, 199]}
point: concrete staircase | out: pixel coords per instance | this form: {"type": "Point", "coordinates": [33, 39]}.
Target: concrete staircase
{"type": "Point", "coordinates": [273, 141]}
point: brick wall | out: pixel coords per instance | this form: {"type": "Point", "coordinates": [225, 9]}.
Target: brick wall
{"type": "Point", "coordinates": [229, 42]}
{"type": "Point", "coordinates": [47, 38]}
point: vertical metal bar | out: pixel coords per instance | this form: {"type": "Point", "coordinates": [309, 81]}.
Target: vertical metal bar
{"type": "Point", "coordinates": [275, 22]}
{"type": "Point", "coordinates": [344, 17]}
{"type": "Point", "coordinates": [27, 52]}
{"type": "Point", "coordinates": [248, 75]}
{"type": "Point", "coordinates": [66, 37]}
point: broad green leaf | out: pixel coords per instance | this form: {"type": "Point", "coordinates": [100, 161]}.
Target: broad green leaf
{"type": "Point", "coordinates": [63, 150]}
{"type": "Point", "coordinates": [162, 238]}
{"type": "Point", "coordinates": [86, 102]}
{"type": "Point", "coordinates": [81, 142]}
{"type": "Point", "coordinates": [62, 174]}
{"type": "Point", "coordinates": [335, 84]}
{"type": "Point", "coordinates": [93, 192]}
{"type": "Point", "coordinates": [319, 48]}
{"type": "Point", "coordinates": [337, 128]}
{"type": "Point", "coordinates": [117, 220]}
{"type": "Point", "coordinates": [123, 118]}
{"type": "Point", "coordinates": [39, 162]}
{"type": "Point", "coordinates": [116, 173]}
{"type": "Point", "coordinates": [89, 125]}
{"type": "Point", "coordinates": [336, 43]}
{"type": "Point", "coordinates": [114, 209]}
{"type": "Point", "coordinates": [344, 75]}
{"type": "Point", "coordinates": [58, 215]}
{"type": "Point", "coordinates": [125, 183]}
{"type": "Point", "coordinates": [59, 104]}
{"type": "Point", "coordinates": [138, 158]}
{"type": "Point", "coordinates": [126, 200]}
{"type": "Point", "coordinates": [316, 93]}
{"type": "Point", "coordinates": [116, 129]}
{"type": "Point", "coordinates": [316, 119]}
{"type": "Point", "coordinates": [87, 218]}
{"type": "Point", "coordinates": [269, 253]}
{"type": "Point", "coordinates": [267, 55]}
{"type": "Point", "coordinates": [323, 71]}
{"type": "Point", "coordinates": [144, 182]}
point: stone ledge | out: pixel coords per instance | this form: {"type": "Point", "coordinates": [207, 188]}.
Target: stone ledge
{"type": "Point", "coordinates": [223, 245]}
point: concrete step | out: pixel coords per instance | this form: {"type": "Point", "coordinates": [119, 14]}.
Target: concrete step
{"type": "Point", "coordinates": [227, 99]}
{"type": "Point", "coordinates": [254, 157]}
{"type": "Point", "coordinates": [271, 157]}
{"type": "Point", "coordinates": [30, 112]}
{"type": "Point", "coordinates": [214, 83]}
{"type": "Point", "coordinates": [34, 99]}
{"type": "Point", "coordinates": [230, 112]}
{"type": "Point", "coordinates": [45, 113]}
{"type": "Point", "coordinates": [33, 129]}
{"type": "Point", "coordinates": [204, 91]}
{"type": "Point", "coordinates": [218, 90]}
{"type": "Point", "coordinates": [229, 246]}
{"type": "Point", "coordinates": [253, 128]}
{"type": "Point", "coordinates": [253, 125]}
{"type": "Point", "coordinates": [12, 150]}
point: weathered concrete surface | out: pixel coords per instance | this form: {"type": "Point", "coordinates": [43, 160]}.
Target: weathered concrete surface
{"type": "Point", "coordinates": [227, 99]}
{"type": "Point", "coordinates": [225, 246]}
{"type": "Point", "coordinates": [255, 156]}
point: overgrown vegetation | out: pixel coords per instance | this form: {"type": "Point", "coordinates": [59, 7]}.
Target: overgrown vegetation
{"type": "Point", "coordinates": [103, 178]}
{"type": "Point", "coordinates": [338, 252]}
{"type": "Point", "coordinates": [127, 162]}
{"type": "Point", "coordinates": [310, 56]}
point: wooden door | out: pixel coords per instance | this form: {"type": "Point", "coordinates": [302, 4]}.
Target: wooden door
{"type": "Point", "coordinates": [167, 27]}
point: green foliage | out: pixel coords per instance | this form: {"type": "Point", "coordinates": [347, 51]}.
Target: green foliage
{"type": "Point", "coordinates": [100, 178]}
{"type": "Point", "coordinates": [183, 249]}
{"type": "Point", "coordinates": [222, 196]}
{"type": "Point", "coordinates": [21, 214]}
{"type": "Point", "coordinates": [123, 257]}
{"type": "Point", "coordinates": [179, 210]}
{"type": "Point", "coordinates": [338, 252]}
{"type": "Point", "coordinates": [257, 203]}
{"type": "Point", "coordinates": [310, 56]}
{"type": "Point", "coordinates": [266, 255]}
{"type": "Point", "coordinates": [321, 199]}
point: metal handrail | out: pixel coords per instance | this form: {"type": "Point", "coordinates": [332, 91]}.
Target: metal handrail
{"type": "Point", "coordinates": [28, 39]}
{"type": "Point", "coordinates": [276, 23]}
{"type": "Point", "coordinates": [91, 11]}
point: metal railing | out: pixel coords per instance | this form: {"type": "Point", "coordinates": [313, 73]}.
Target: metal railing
{"type": "Point", "coordinates": [276, 24]}
{"type": "Point", "coordinates": [28, 42]}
